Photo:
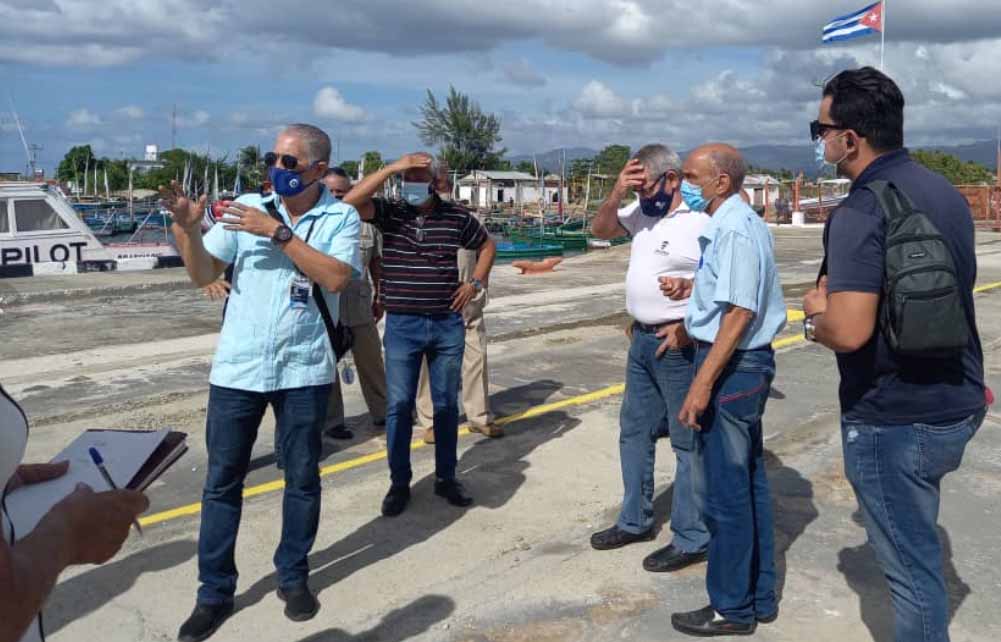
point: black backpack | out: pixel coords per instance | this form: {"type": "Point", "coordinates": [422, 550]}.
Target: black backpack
{"type": "Point", "coordinates": [922, 310]}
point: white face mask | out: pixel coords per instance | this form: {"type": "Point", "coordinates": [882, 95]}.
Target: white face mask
{"type": "Point", "coordinates": [415, 193]}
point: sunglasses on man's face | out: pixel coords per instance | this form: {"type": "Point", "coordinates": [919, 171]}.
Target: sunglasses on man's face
{"type": "Point", "coordinates": [288, 161]}
{"type": "Point", "coordinates": [819, 130]}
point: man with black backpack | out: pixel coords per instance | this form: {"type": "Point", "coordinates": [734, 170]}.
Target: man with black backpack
{"type": "Point", "coordinates": [294, 251]}
{"type": "Point", "coordinates": [894, 301]}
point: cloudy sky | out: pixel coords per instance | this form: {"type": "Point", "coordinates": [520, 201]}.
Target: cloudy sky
{"type": "Point", "coordinates": [560, 73]}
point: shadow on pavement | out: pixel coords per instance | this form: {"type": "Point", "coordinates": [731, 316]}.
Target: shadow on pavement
{"type": "Point", "coordinates": [865, 576]}
{"type": "Point", "coordinates": [491, 470]}
{"type": "Point", "coordinates": [792, 503]}
{"type": "Point", "coordinates": [79, 596]}
{"type": "Point", "coordinates": [397, 625]}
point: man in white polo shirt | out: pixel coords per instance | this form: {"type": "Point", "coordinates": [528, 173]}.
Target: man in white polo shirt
{"type": "Point", "coordinates": [665, 235]}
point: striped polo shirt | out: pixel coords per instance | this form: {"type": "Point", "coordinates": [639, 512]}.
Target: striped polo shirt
{"type": "Point", "coordinates": [420, 270]}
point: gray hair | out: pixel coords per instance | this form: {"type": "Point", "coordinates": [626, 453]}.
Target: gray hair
{"type": "Point", "coordinates": [315, 139]}
{"type": "Point", "coordinates": [732, 165]}
{"type": "Point", "coordinates": [659, 159]}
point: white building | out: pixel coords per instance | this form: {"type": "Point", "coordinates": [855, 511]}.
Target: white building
{"type": "Point", "coordinates": [489, 188]}
{"type": "Point", "coordinates": [152, 153]}
{"type": "Point", "coordinates": [762, 190]}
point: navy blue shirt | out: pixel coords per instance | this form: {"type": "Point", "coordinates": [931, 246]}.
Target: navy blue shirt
{"type": "Point", "coordinates": [879, 386]}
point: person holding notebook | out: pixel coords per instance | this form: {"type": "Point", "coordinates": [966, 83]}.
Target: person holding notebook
{"type": "Point", "coordinates": [87, 527]}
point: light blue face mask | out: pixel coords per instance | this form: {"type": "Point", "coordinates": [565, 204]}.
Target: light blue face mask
{"type": "Point", "coordinates": [415, 193]}
{"type": "Point", "coordinates": [692, 195]}
{"type": "Point", "coordinates": [820, 154]}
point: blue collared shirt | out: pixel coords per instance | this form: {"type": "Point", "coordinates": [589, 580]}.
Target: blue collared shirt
{"type": "Point", "coordinates": [737, 268]}
{"type": "Point", "coordinates": [266, 344]}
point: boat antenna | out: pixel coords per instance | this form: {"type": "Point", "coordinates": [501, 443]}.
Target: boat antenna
{"type": "Point", "coordinates": [29, 150]}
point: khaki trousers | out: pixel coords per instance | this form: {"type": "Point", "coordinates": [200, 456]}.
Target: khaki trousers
{"type": "Point", "coordinates": [367, 352]}
{"type": "Point", "coordinates": [475, 380]}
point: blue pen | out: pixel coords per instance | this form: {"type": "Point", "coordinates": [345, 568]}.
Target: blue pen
{"type": "Point", "coordinates": [99, 462]}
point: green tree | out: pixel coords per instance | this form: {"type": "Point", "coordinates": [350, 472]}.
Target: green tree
{"type": "Point", "coordinates": [503, 165]}
{"type": "Point", "coordinates": [251, 163]}
{"type": "Point", "coordinates": [953, 168]}
{"type": "Point", "coordinates": [372, 162]}
{"type": "Point", "coordinates": [72, 166]}
{"type": "Point", "coordinates": [526, 166]}
{"type": "Point", "coordinates": [467, 137]}
{"type": "Point", "coordinates": [612, 159]}
{"type": "Point", "coordinates": [351, 168]}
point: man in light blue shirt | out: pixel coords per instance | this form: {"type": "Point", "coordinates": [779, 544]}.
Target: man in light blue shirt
{"type": "Point", "coordinates": [287, 248]}
{"type": "Point", "coordinates": [735, 310]}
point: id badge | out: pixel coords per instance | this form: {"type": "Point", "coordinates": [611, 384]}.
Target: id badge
{"type": "Point", "coordinates": [299, 292]}
{"type": "Point", "coordinates": [347, 375]}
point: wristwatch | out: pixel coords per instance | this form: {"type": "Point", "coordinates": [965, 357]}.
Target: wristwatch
{"type": "Point", "coordinates": [809, 328]}
{"type": "Point", "coordinates": [283, 234]}
{"type": "Point", "coordinates": [477, 285]}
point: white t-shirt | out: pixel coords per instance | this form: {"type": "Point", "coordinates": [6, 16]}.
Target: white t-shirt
{"type": "Point", "coordinates": [665, 246]}
{"type": "Point", "coordinates": [13, 440]}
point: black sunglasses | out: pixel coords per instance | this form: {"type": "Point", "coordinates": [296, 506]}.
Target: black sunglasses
{"type": "Point", "coordinates": [819, 129]}
{"type": "Point", "coordinates": [288, 161]}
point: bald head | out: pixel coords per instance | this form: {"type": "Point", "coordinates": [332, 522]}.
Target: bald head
{"type": "Point", "coordinates": [718, 169]}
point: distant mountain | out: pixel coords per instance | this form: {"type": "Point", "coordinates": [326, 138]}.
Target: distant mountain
{"type": "Point", "coordinates": [794, 158]}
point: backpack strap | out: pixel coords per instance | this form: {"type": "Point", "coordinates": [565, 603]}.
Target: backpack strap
{"type": "Point", "coordinates": [894, 203]}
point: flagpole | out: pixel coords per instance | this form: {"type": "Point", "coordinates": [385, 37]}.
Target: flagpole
{"type": "Point", "coordinates": [882, 35]}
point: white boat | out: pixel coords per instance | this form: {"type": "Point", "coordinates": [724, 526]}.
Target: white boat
{"type": "Point", "coordinates": [41, 233]}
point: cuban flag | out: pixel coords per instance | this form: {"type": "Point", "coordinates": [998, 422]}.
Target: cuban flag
{"type": "Point", "coordinates": [863, 22]}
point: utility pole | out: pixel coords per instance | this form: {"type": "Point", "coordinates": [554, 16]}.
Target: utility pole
{"type": "Point", "coordinates": [173, 128]}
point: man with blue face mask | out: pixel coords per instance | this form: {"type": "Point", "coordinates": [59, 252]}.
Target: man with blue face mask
{"type": "Point", "coordinates": [665, 242]}
{"type": "Point", "coordinates": [293, 250]}
{"type": "Point", "coordinates": [423, 299]}
{"type": "Point", "coordinates": [735, 311]}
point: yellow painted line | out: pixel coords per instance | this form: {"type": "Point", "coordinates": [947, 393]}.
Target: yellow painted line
{"type": "Point", "coordinates": [535, 411]}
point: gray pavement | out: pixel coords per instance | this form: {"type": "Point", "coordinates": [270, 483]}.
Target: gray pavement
{"type": "Point", "coordinates": [517, 565]}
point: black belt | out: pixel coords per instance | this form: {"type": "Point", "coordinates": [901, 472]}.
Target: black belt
{"type": "Point", "coordinates": [653, 329]}
{"type": "Point", "coordinates": [706, 345]}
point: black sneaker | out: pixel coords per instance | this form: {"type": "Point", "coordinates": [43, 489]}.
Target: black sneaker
{"type": "Point", "coordinates": [300, 603]}
{"type": "Point", "coordinates": [453, 492]}
{"type": "Point", "coordinates": [396, 500]}
{"type": "Point", "coordinates": [340, 431]}
{"type": "Point", "coordinates": [668, 559]}
{"type": "Point", "coordinates": [706, 623]}
{"type": "Point", "coordinates": [204, 621]}
{"type": "Point", "coordinates": [614, 537]}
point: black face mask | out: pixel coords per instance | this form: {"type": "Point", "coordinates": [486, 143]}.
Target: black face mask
{"type": "Point", "coordinates": [660, 203]}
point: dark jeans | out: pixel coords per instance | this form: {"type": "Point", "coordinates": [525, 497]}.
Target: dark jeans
{"type": "Point", "coordinates": [738, 505]}
{"type": "Point", "coordinates": [234, 417]}
{"type": "Point", "coordinates": [409, 338]}
{"type": "Point", "coordinates": [896, 471]}
{"type": "Point", "coordinates": [655, 392]}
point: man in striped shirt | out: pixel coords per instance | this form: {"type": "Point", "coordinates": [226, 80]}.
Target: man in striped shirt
{"type": "Point", "coordinates": [423, 299]}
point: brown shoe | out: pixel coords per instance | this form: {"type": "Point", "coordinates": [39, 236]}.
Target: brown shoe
{"type": "Point", "coordinates": [429, 436]}
{"type": "Point", "coordinates": [490, 430]}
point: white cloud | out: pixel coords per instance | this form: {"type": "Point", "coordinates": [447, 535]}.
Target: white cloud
{"type": "Point", "coordinates": [330, 104]}
{"type": "Point", "coordinates": [132, 112]}
{"type": "Point", "coordinates": [597, 100]}
{"type": "Point", "coordinates": [188, 121]}
{"type": "Point", "coordinates": [82, 118]}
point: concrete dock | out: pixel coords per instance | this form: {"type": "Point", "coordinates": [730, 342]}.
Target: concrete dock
{"type": "Point", "coordinates": [133, 351]}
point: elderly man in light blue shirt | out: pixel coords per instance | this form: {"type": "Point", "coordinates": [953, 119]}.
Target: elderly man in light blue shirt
{"type": "Point", "coordinates": [287, 248]}
{"type": "Point", "coordinates": [735, 311]}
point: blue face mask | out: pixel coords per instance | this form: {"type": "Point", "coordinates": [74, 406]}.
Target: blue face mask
{"type": "Point", "coordinates": [285, 182]}
{"type": "Point", "coordinates": [692, 195]}
{"type": "Point", "coordinates": [415, 193]}
{"type": "Point", "coordinates": [820, 154]}
{"type": "Point", "coordinates": [660, 203]}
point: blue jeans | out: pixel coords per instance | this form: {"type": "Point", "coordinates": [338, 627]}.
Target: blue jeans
{"type": "Point", "coordinates": [896, 471]}
{"type": "Point", "coordinates": [738, 504]}
{"type": "Point", "coordinates": [234, 417]}
{"type": "Point", "coordinates": [655, 392]}
{"type": "Point", "coordinates": [409, 338]}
